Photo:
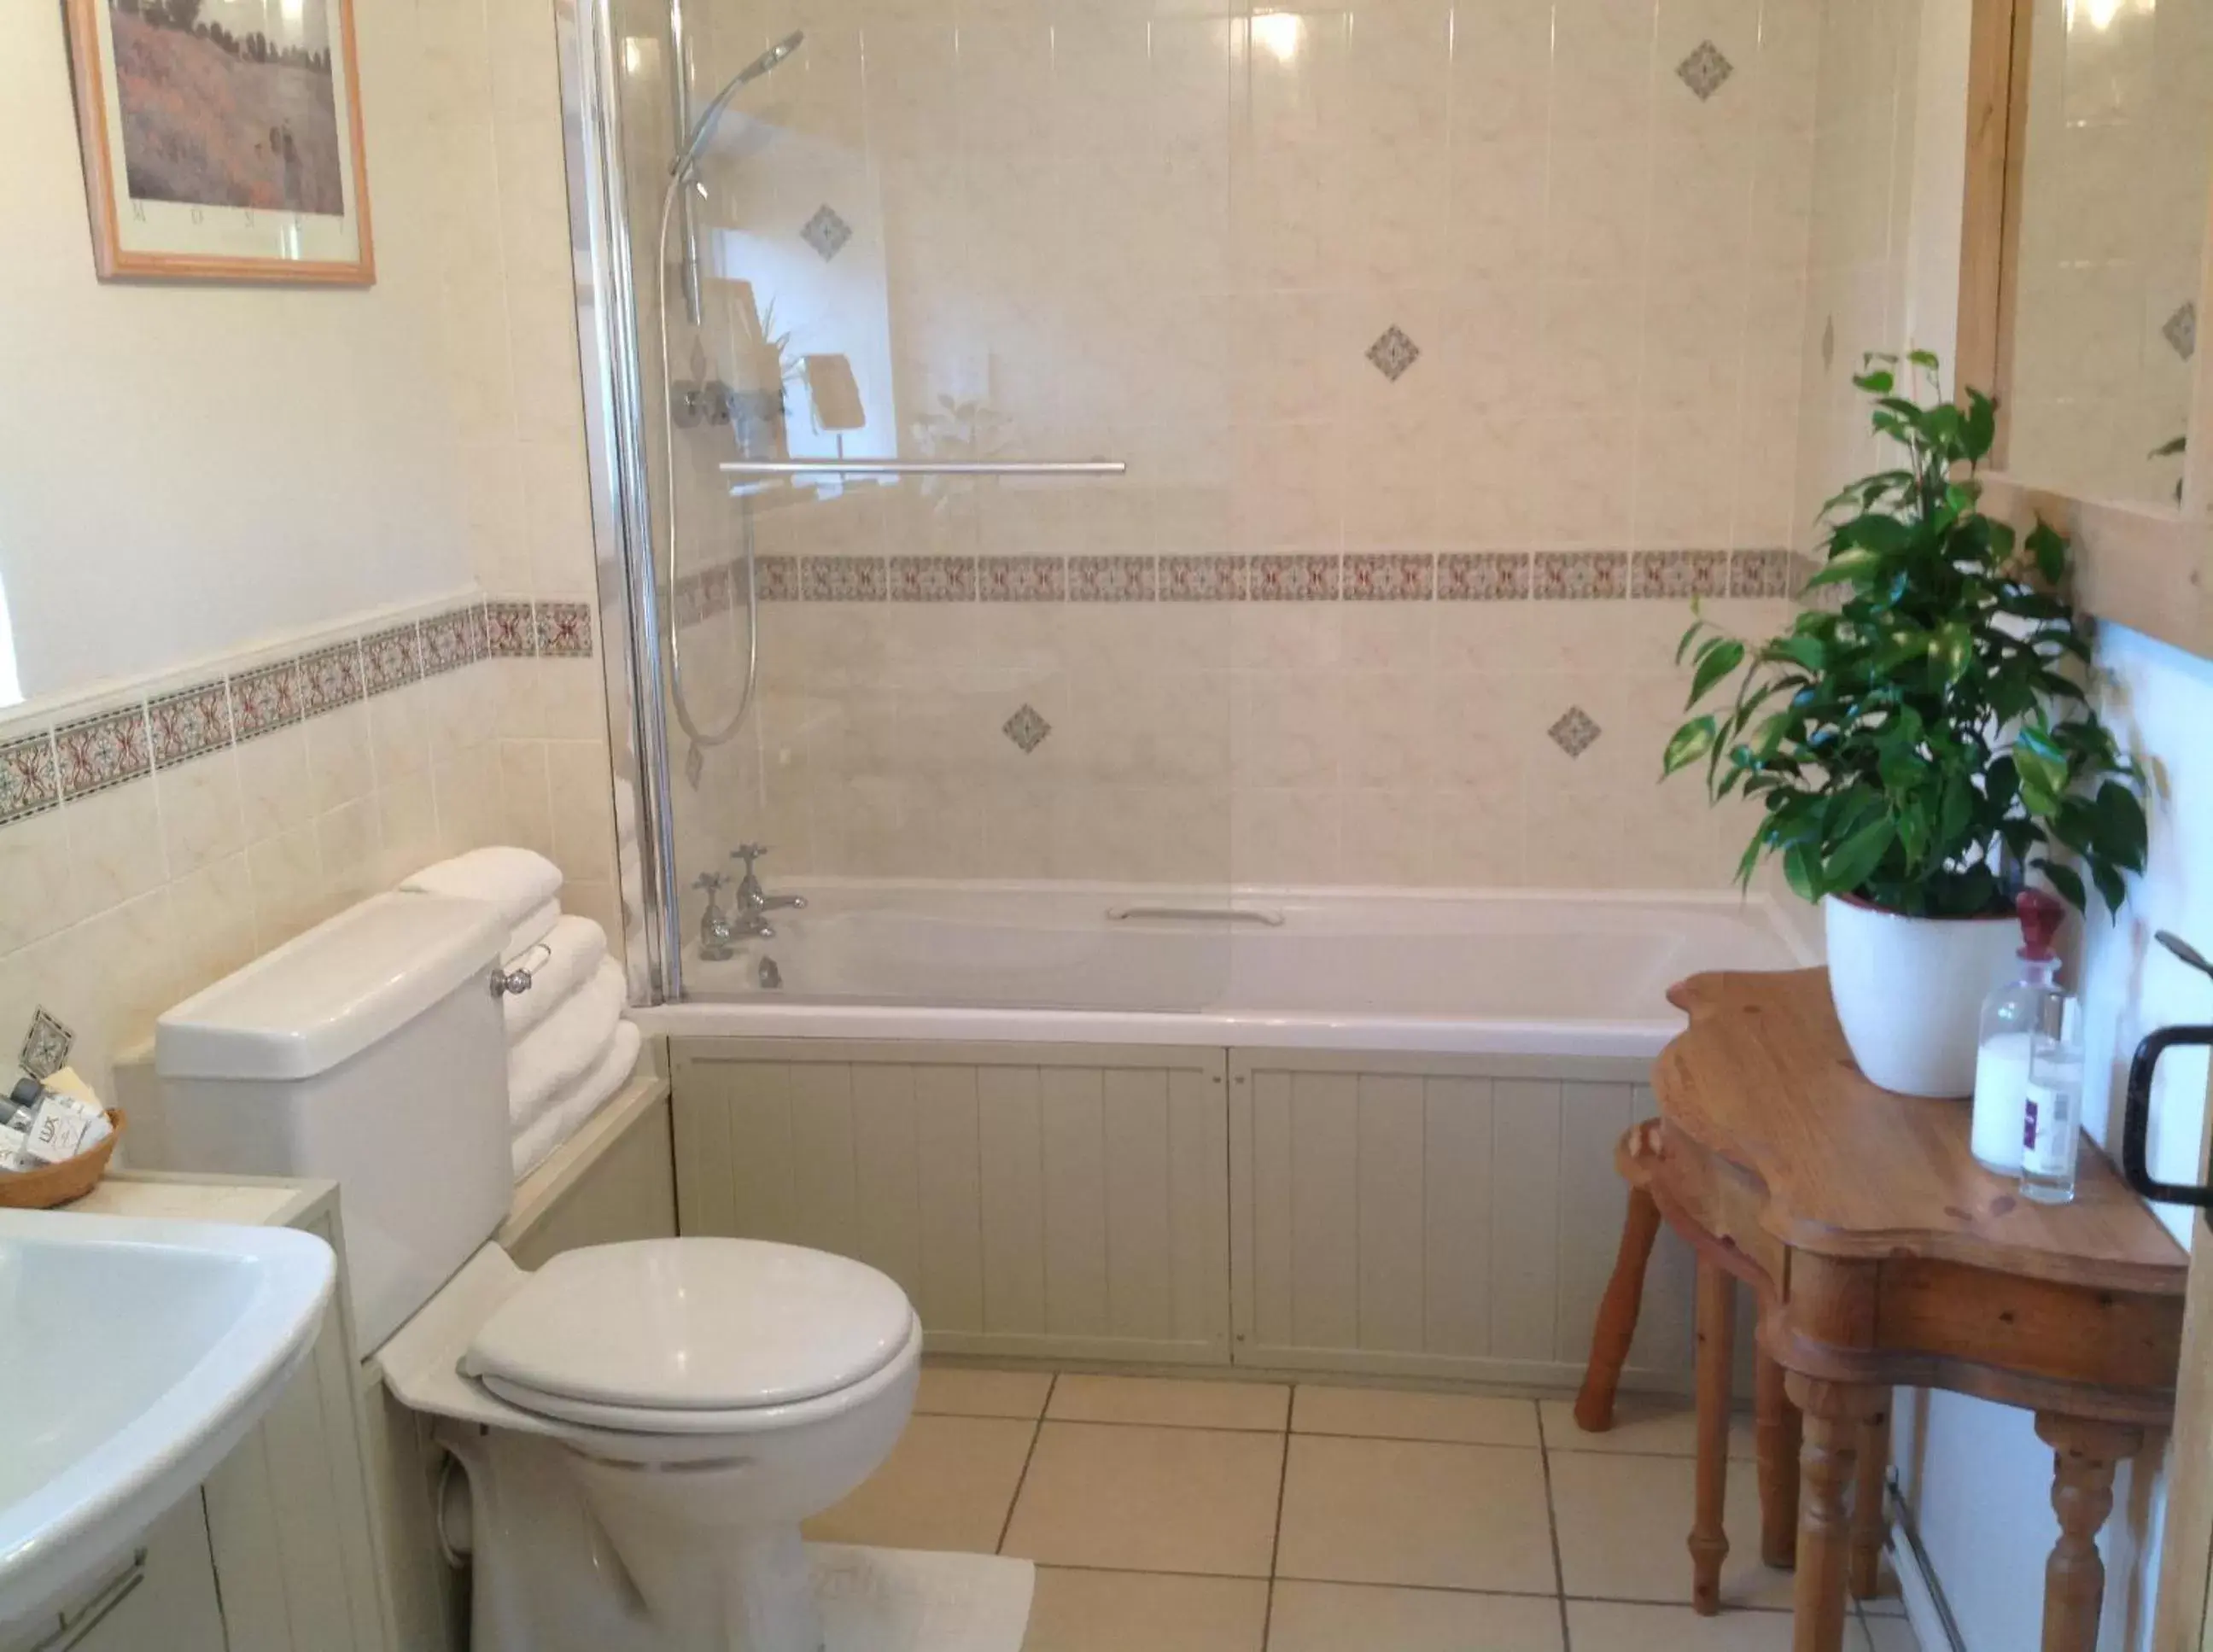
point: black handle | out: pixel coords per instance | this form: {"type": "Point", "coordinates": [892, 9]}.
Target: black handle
{"type": "Point", "coordinates": [2136, 1123]}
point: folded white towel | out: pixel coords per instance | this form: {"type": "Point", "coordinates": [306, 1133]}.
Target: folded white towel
{"type": "Point", "coordinates": [570, 955]}
{"type": "Point", "coordinates": [516, 881]}
{"type": "Point", "coordinates": [562, 1047]}
{"type": "Point", "coordinates": [531, 932]}
{"type": "Point", "coordinates": [575, 1106]}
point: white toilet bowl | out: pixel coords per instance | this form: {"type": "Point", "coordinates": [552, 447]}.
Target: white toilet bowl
{"type": "Point", "coordinates": [644, 1427]}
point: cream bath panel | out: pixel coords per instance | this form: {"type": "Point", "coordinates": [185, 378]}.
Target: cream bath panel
{"type": "Point", "coordinates": [1438, 1217]}
{"type": "Point", "coordinates": [1062, 1201]}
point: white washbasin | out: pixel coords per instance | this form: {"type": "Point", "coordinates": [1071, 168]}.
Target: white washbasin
{"type": "Point", "coordinates": [133, 1355]}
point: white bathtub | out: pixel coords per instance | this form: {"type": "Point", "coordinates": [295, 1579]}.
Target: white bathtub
{"type": "Point", "coordinates": [1446, 973]}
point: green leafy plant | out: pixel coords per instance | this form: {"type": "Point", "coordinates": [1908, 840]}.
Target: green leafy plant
{"type": "Point", "coordinates": [1926, 740]}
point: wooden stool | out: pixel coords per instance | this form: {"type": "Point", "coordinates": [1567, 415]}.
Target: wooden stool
{"type": "Point", "coordinates": [1638, 1156]}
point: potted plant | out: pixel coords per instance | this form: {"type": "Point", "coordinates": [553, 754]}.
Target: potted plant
{"type": "Point", "coordinates": [1920, 741]}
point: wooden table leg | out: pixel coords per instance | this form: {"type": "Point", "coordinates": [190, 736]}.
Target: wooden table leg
{"type": "Point", "coordinates": [1870, 1519]}
{"type": "Point", "coordinates": [1716, 1314]}
{"type": "Point", "coordinates": [1616, 1314]}
{"type": "Point", "coordinates": [2084, 1456]}
{"type": "Point", "coordinates": [1836, 1413]}
{"type": "Point", "coordinates": [1775, 1433]}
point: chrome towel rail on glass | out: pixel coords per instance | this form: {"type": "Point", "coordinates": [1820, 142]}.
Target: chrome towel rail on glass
{"type": "Point", "coordinates": [758, 468]}
{"type": "Point", "coordinates": [1196, 914]}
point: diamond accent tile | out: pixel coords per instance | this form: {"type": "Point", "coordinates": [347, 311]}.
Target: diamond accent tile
{"type": "Point", "coordinates": [509, 631]}
{"type": "Point", "coordinates": [1110, 579]}
{"type": "Point", "coordinates": [188, 722]}
{"type": "Point", "coordinates": [263, 701]}
{"type": "Point", "coordinates": [1704, 69]}
{"type": "Point", "coordinates": [28, 784]}
{"type": "Point", "coordinates": [330, 678]}
{"type": "Point", "coordinates": [1483, 576]}
{"type": "Point", "coordinates": [564, 631]}
{"type": "Point", "coordinates": [1394, 353]}
{"type": "Point", "coordinates": [2181, 331]}
{"type": "Point", "coordinates": [1678, 573]}
{"type": "Point", "coordinates": [1024, 579]}
{"type": "Point", "coordinates": [1026, 728]}
{"type": "Point", "coordinates": [1388, 576]}
{"type": "Point", "coordinates": [826, 232]}
{"type": "Point", "coordinates": [99, 752]}
{"type": "Point", "coordinates": [1201, 579]}
{"type": "Point", "coordinates": [1575, 733]}
{"type": "Point", "coordinates": [933, 579]}
{"type": "Point", "coordinates": [389, 659]}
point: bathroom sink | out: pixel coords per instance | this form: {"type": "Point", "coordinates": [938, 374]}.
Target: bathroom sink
{"type": "Point", "coordinates": [134, 1354]}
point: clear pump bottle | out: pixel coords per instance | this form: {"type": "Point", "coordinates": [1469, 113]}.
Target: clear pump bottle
{"type": "Point", "coordinates": [2011, 1018]}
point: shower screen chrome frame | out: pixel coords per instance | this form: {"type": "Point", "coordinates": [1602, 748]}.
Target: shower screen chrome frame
{"type": "Point", "coordinates": [622, 499]}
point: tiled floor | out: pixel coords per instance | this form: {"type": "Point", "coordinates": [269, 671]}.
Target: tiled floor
{"type": "Point", "coordinates": [1192, 1516]}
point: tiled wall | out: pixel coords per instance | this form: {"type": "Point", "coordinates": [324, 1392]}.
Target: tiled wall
{"type": "Point", "coordinates": [1475, 308]}
{"type": "Point", "coordinates": [2119, 152]}
{"type": "Point", "coordinates": [152, 840]}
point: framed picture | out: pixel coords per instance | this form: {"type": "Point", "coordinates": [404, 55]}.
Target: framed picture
{"type": "Point", "coordinates": [222, 139]}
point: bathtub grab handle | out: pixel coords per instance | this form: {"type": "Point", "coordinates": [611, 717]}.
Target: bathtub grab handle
{"type": "Point", "coordinates": [1200, 914]}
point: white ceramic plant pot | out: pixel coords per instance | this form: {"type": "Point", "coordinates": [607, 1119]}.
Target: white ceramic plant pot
{"type": "Point", "coordinates": [1910, 990]}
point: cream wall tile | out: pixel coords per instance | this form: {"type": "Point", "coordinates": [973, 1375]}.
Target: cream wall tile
{"type": "Point", "coordinates": [341, 765]}
{"type": "Point", "coordinates": [287, 871]}
{"type": "Point", "coordinates": [203, 812]}
{"type": "Point", "coordinates": [37, 892]}
{"type": "Point", "coordinates": [276, 784]}
{"type": "Point", "coordinates": [114, 846]}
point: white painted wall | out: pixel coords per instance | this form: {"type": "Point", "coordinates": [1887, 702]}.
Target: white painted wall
{"type": "Point", "coordinates": [187, 468]}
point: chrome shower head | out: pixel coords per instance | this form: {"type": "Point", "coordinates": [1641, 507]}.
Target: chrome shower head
{"type": "Point", "coordinates": [711, 117]}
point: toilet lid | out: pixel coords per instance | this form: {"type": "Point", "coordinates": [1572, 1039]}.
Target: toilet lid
{"type": "Point", "coordinates": [692, 1325]}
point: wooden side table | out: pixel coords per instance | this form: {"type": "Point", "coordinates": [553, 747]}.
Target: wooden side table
{"type": "Point", "coordinates": [1881, 1255]}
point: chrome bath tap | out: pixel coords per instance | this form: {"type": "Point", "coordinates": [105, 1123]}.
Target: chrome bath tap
{"type": "Point", "coordinates": [717, 940]}
{"type": "Point", "coordinates": [755, 903]}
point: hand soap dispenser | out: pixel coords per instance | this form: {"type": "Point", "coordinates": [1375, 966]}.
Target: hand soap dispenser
{"type": "Point", "coordinates": [2011, 1018]}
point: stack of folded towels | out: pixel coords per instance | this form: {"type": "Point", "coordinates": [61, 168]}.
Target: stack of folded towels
{"type": "Point", "coordinates": [569, 1047]}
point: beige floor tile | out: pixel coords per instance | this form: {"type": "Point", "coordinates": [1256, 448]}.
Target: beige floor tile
{"type": "Point", "coordinates": [1388, 1414]}
{"type": "Point", "coordinates": [1171, 1402]}
{"type": "Point", "coordinates": [1651, 1424]}
{"type": "Point", "coordinates": [1885, 1601]}
{"type": "Point", "coordinates": [1394, 1511]}
{"type": "Point", "coordinates": [1889, 1635]}
{"type": "Point", "coordinates": [1148, 1499]}
{"type": "Point", "coordinates": [1145, 1612]}
{"type": "Point", "coordinates": [948, 1484]}
{"type": "Point", "coordinates": [967, 1391]}
{"type": "Point", "coordinates": [1608, 1626]}
{"type": "Point", "coordinates": [1360, 1617]}
{"type": "Point", "coordinates": [1623, 1522]}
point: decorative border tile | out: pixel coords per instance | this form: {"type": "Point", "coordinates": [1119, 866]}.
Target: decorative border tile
{"type": "Point", "coordinates": [776, 578]}
{"type": "Point", "coordinates": [1202, 579]}
{"type": "Point", "coordinates": [265, 700]}
{"type": "Point", "coordinates": [330, 678]}
{"type": "Point", "coordinates": [105, 750]}
{"type": "Point", "coordinates": [1022, 579]}
{"type": "Point", "coordinates": [844, 579]}
{"type": "Point", "coordinates": [1112, 579]}
{"type": "Point", "coordinates": [28, 784]}
{"type": "Point", "coordinates": [390, 659]}
{"type": "Point", "coordinates": [1580, 575]}
{"type": "Point", "coordinates": [1762, 573]}
{"type": "Point", "coordinates": [509, 631]}
{"type": "Point", "coordinates": [1678, 574]}
{"type": "Point", "coordinates": [1483, 576]}
{"type": "Point", "coordinates": [564, 631]}
{"type": "Point", "coordinates": [933, 579]}
{"type": "Point", "coordinates": [1297, 578]}
{"type": "Point", "coordinates": [1389, 577]}
{"type": "Point", "coordinates": [189, 723]}
{"type": "Point", "coordinates": [453, 640]}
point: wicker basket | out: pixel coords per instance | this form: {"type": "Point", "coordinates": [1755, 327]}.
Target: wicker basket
{"type": "Point", "coordinates": [58, 1184]}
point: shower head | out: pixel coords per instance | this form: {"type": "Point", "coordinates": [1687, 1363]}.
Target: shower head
{"type": "Point", "coordinates": [711, 116]}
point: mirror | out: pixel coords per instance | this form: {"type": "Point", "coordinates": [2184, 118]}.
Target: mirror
{"type": "Point", "coordinates": [2115, 169]}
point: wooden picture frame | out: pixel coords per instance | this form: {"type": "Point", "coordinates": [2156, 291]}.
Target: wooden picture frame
{"type": "Point", "coordinates": [218, 150]}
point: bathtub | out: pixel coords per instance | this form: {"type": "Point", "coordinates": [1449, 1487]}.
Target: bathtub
{"type": "Point", "coordinates": [1466, 974]}
{"type": "Point", "coordinates": [1356, 1131]}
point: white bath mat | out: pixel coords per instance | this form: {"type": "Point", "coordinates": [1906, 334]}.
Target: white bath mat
{"type": "Point", "coordinates": [904, 1601]}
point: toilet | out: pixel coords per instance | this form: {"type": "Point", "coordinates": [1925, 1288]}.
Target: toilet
{"type": "Point", "coordinates": [642, 1426]}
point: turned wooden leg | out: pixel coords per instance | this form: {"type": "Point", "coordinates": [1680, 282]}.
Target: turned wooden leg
{"type": "Point", "coordinates": [1776, 1435]}
{"type": "Point", "coordinates": [1716, 1345]}
{"type": "Point", "coordinates": [1616, 1314]}
{"type": "Point", "coordinates": [2084, 1455]}
{"type": "Point", "coordinates": [1835, 1416]}
{"type": "Point", "coordinates": [1870, 1523]}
